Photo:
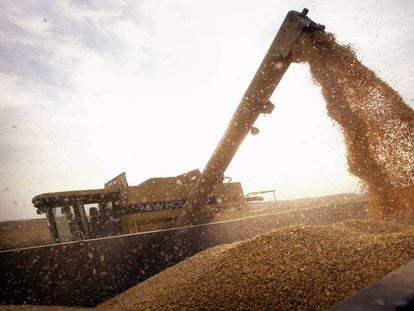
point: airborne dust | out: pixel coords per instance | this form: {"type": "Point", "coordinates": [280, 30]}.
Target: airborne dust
{"type": "Point", "coordinates": [311, 267]}
{"type": "Point", "coordinates": [378, 126]}
{"type": "Point", "coordinates": [314, 267]}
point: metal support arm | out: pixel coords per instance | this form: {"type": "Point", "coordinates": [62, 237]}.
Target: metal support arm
{"type": "Point", "coordinates": [254, 102]}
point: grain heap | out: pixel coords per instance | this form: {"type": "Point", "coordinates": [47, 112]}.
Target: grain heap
{"type": "Point", "coordinates": [378, 126]}
{"type": "Point", "coordinates": [296, 268]}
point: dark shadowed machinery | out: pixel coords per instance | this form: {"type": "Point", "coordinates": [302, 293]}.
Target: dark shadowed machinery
{"type": "Point", "coordinates": [168, 218]}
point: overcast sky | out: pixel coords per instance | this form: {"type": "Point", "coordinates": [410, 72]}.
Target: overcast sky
{"type": "Point", "coordinates": [89, 89]}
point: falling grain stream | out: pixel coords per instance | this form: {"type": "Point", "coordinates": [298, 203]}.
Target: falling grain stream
{"type": "Point", "coordinates": [378, 126]}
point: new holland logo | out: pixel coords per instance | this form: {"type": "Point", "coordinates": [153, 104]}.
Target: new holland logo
{"type": "Point", "coordinates": [165, 205]}
{"type": "Point", "coordinates": [158, 206]}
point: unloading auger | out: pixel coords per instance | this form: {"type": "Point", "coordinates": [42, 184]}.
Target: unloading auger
{"type": "Point", "coordinates": [254, 102]}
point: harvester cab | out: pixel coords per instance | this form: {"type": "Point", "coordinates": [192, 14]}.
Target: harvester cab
{"type": "Point", "coordinates": [190, 198]}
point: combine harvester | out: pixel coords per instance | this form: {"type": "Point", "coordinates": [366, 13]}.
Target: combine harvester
{"type": "Point", "coordinates": [155, 204]}
{"type": "Point", "coordinates": [191, 198]}
{"type": "Point", "coordinates": [99, 259]}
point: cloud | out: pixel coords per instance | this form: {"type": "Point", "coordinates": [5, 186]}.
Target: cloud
{"type": "Point", "coordinates": [43, 42]}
